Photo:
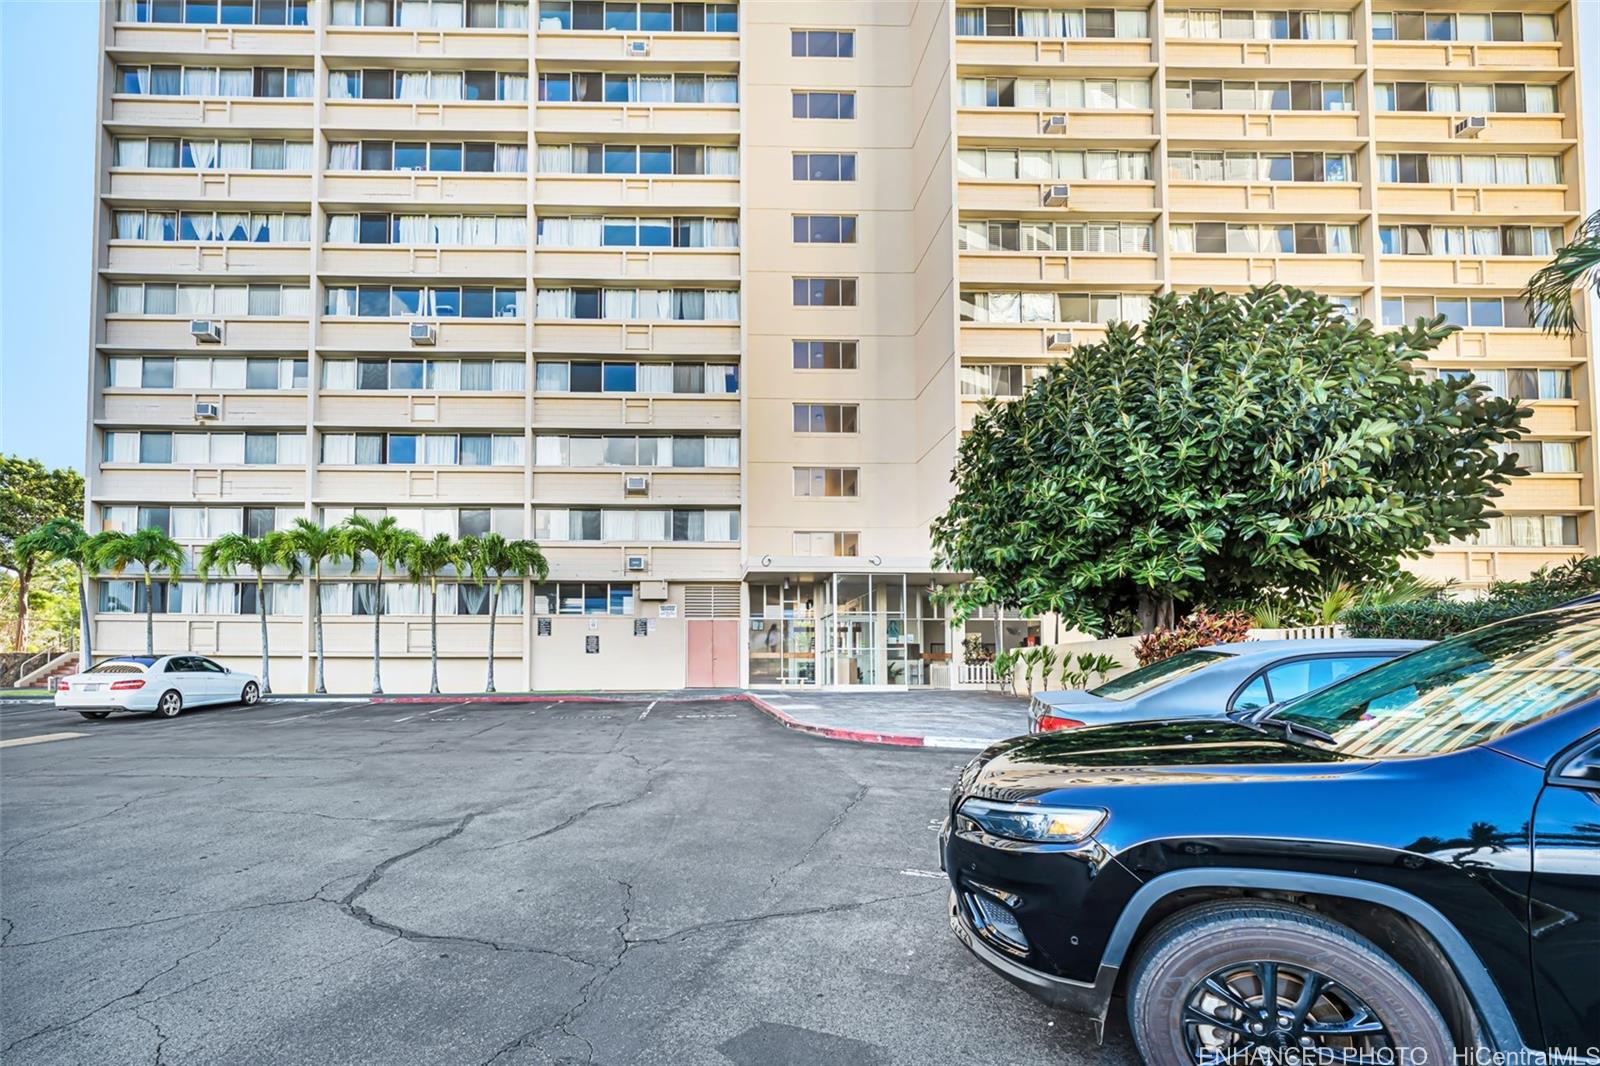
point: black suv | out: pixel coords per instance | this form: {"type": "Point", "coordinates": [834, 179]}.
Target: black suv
{"type": "Point", "coordinates": [1398, 868]}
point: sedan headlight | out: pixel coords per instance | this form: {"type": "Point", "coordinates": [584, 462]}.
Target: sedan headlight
{"type": "Point", "coordinates": [1034, 823]}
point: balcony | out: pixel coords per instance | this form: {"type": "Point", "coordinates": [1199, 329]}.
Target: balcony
{"type": "Point", "coordinates": [1405, 129]}
{"type": "Point", "coordinates": [387, 485]}
{"type": "Point", "coordinates": [399, 260]}
{"type": "Point", "coordinates": [1136, 199]}
{"type": "Point", "coordinates": [668, 562]}
{"type": "Point", "coordinates": [426, 116]}
{"type": "Point", "coordinates": [218, 260]}
{"type": "Point", "coordinates": [1301, 199]}
{"type": "Point", "coordinates": [1095, 53]}
{"type": "Point", "coordinates": [425, 187]}
{"type": "Point", "coordinates": [225, 636]}
{"type": "Point", "coordinates": [1543, 493]}
{"type": "Point", "coordinates": [208, 484]}
{"type": "Point", "coordinates": [667, 486]}
{"type": "Point", "coordinates": [1323, 128]}
{"type": "Point", "coordinates": [453, 335]}
{"type": "Point", "coordinates": [644, 338]}
{"type": "Point", "coordinates": [612, 264]}
{"type": "Point", "coordinates": [1134, 270]}
{"type": "Point", "coordinates": [419, 410]}
{"type": "Point", "coordinates": [1241, 270]}
{"type": "Point", "coordinates": [1023, 341]}
{"type": "Point", "coordinates": [1010, 124]}
{"type": "Point", "coordinates": [715, 51]}
{"type": "Point", "coordinates": [590, 411]}
{"type": "Point", "coordinates": [1553, 418]}
{"type": "Point", "coordinates": [247, 186]}
{"type": "Point", "coordinates": [1519, 347]}
{"type": "Point", "coordinates": [175, 409]}
{"type": "Point", "coordinates": [223, 42]}
{"type": "Point", "coordinates": [1480, 565]}
{"type": "Point", "coordinates": [396, 42]}
{"type": "Point", "coordinates": [631, 190]}
{"type": "Point", "coordinates": [1333, 58]}
{"type": "Point", "coordinates": [719, 120]}
{"type": "Point", "coordinates": [1429, 272]}
{"type": "Point", "coordinates": [195, 113]}
{"type": "Point", "coordinates": [1460, 57]}
{"type": "Point", "coordinates": [162, 333]}
{"type": "Point", "coordinates": [1513, 203]}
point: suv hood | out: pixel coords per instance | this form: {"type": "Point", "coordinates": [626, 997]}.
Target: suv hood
{"type": "Point", "coordinates": [1144, 753]}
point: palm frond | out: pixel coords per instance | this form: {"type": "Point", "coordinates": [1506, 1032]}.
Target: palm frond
{"type": "Point", "coordinates": [1549, 295]}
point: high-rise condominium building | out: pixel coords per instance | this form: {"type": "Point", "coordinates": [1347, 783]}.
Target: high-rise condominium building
{"type": "Point", "coordinates": [700, 296]}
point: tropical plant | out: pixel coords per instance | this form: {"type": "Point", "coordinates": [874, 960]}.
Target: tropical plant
{"type": "Point", "coordinates": [1200, 627]}
{"type": "Point", "coordinates": [382, 541]}
{"type": "Point", "coordinates": [1334, 600]}
{"type": "Point", "coordinates": [65, 540]}
{"type": "Point", "coordinates": [973, 651]}
{"type": "Point", "coordinates": [426, 560]}
{"type": "Point", "coordinates": [491, 559]}
{"type": "Point", "coordinates": [1271, 614]}
{"type": "Point", "coordinates": [1086, 669]}
{"type": "Point", "coordinates": [1227, 446]}
{"type": "Point", "coordinates": [31, 495]}
{"type": "Point", "coordinates": [1045, 660]}
{"type": "Point", "coordinates": [152, 550]}
{"type": "Point", "coordinates": [305, 545]}
{"type": "Point", "coordinates": [229, 552]}
{"type": "Point", "coordinates": [1576, 265]}
{"type": "Point", "coordinates": [1004, 665]}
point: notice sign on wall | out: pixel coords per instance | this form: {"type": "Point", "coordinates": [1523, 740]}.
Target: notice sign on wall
{"type": "Point", "coordinates": [641, 627]}
{"type": "Point", "coordinates": [667, 610]}
{"type": "Point", "coordinates": [591, 644]}
{"type": "Point", "coordinates": [544, 627]}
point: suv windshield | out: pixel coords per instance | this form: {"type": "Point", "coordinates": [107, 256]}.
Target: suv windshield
{"type": "Point", "coordinates": [1143, 680]}
{"type": "Point", "coordinates": [1463, 691]}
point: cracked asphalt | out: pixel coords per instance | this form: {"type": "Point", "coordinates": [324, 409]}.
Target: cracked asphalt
{"type": "Point", "coordinates": [505, 883]}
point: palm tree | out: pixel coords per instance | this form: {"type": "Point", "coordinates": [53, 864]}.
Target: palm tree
{"type": "Point", "coordinates": [306, 544]}
{"type": "Point", "coordinates": [492, 558]}
{"type": "Point", "coordinates": [229, 552]}
{"type": "Point", "coordinates": [152, 550]}
{"type": "Point", "coordinates": [1548, 296]}
{"type": "Point", "coordinates": [64, 539]}
{"type": "Point", "coordinates": [424, 560]}
{"type": "Point", "coordinates": [382, 540]}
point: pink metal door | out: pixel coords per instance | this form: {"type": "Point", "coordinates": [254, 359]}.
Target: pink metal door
{"type": "Point", "coordinates": [713, 654]}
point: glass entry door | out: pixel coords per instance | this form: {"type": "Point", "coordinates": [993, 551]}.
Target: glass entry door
{"type": "Point", "coordinates": [864, 632]}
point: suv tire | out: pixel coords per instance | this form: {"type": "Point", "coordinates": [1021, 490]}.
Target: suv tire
{"type": "Point", "coordinates": [1243, 938]}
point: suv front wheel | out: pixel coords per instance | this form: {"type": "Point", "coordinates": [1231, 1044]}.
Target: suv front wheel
{"type": "Point", "coordinates": [1228, 981]}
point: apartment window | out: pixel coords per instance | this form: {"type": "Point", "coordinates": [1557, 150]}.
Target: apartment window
{"type": "Point", "coordinates": [1260, 25]}
{"type": "Point", "coordinates": [1521, 383]}
{"type": "Point", "coordinates": [830, 105]}
{"type": "Point", "coordinates": [1453, 98]}
{"type": "Point", "coordinates": [596, 87]}
{"type": "Point", "coordinates": [1463, 26]}
{"type": "Point", "coordinates": [1073, 22]}
{"type": "Point", "coordinates": [436, 14]}
{"type": "Point", "coordinates": [617, 304]}
{"type": "Point", "coordinates": [1542, 457]}
{"type": "Point", "coordinates": [276, 82]}
{"type": "Point", "coordinates": [1093, 94]}
{"type": "Point", "coordinates": [633, 451]}
{"type": "Point", "coordinates": [208, 301]}
{"type": "Point", "coordinates": [824, 292]}
{"type": "Point", "coordinates": [826, 418]}
{"type": "Point", "coordinates": [441, 156]}
{"type": "Point", "coordinates": [1044, 307]}
{"type": "Point", "coordinates": [1003, 379]}
{"type": "Point", "coordinates": [435, 85]}
{"type": "Point", "coordinates": [824, 166]}
{"type": "Point", "coordinates": [1410, 167]}
{"type": "Point", "coordinates": [825, 355]}
{"type": "Point", "coordinates": [822, 44]}
{"type": "Point", "coordinates": [469, 231]}
{"type": "Point", "coordinates": [1047, 165]}
{"type": "Point", "coordinates": [1478, 312]}
{"type": "Point", "coordinates": [199, 372]}
{"type": "Point", "coordinates": [1011, 236]}
{"type": "Point", "coordinates": [227, 12]}
{"type": "Point", "coordinates": [630, 232]}
{"type": "Point", "coordinates": [135, 224]}
{"type": "Point", "coordinates": [824, 229]}
{"type": "Point", "coordinates": [827, 543]}
{"type": "Point", "coordinates": [413, 301]}
{"type": "Point", "coordinates": [591, 15]}
{"type": "Point", "coordinates": [1261, 166]}
{"type": "Point", "coordinates": [714, 160]}
{"type": "Point", "coordinates": [825, 480]}
{"type": "Point", "coordinates": [712, 379]}
{"type": "Point", "coordinates": [200, 449]}
{"type": "Point", "coordinates": [1216, 95]}
{"type": "Point", "coordinates": [166, 153]}
{"type": "Point", "coordinates": [1419, 239]}
{"type": "Point", "coordinates": [432, 449]}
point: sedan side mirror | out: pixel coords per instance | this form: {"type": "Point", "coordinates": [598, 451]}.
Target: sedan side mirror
{"type": "Point", "coordinates": [1583, 766]}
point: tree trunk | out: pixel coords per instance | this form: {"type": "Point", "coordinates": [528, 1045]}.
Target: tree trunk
{"type": "Point", "coordinates": [316, 617]}
{"type": "Point", "coordinates": [85, 649]}
{"type": "Point", "coordinates": [1156, 609]}
{"type": "Point", "coordinates": [433, 631]}
{"type": "Point", "coordinates": [149, 615]}
{"type": "Point", "coordinates": [377, 623]}
{"type": "Point", "coordinates": [24, 578]}
{"type": "Point", "coordinates": [494, 604]}
{"type": "Point", "coordinates": [266, 657]}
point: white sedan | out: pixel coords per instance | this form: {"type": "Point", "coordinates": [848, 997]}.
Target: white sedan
{"type": "Point", "coordinates": [165, 684]}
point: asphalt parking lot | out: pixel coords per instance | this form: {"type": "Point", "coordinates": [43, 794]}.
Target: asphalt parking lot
{"type": "Point", "coordinates": [506, 883]}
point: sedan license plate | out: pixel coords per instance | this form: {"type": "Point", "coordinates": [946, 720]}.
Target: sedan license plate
{"type": "Point", "coordinates": [91, 688]}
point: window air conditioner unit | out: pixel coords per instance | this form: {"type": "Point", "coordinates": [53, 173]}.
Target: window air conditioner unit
{"type": "Point", "coordinates": [1471, 126]}
{"type": "Point", "coordinates": [1055, 124]}
{"type": "Point", "coordinates": [636, 484]}
{"type": "Point", "coordinates": [637, 564]}
{"type": "Point", "coordinates": [207, 412]}
{"type": "Point", "coordinates": [1055, 195]}
{"type": "Point", "coordinates": [205, 331]}
{"type": "Point", "coordinates": [424, 333]}
{"type": "Point", "coordinates": [638, 48]}
{"type": "Point", "coordinates": [1058, 342]}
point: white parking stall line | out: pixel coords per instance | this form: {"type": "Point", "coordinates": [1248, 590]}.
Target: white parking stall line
{"type": "Point", "coordinates": [434, 711]}
{"type": "Point", "coordinates": [922, 873]}
{"type": "Point", "coordinates": [646, 712]}
{"type": "Point", "coordinates": [317, 714]}
{"type": "Point", "coordinates": [41, 738]}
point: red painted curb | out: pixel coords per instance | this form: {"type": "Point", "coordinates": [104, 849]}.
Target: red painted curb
{"type": "Point", "coordinates": [788, 721]}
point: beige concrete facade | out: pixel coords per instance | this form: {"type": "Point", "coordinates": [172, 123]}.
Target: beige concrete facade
{"type": "Point", "coordinates": [539, 268]}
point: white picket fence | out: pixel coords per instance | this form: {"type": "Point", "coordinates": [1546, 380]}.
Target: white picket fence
{"type": "Point", "coordinates": [1333, 632]}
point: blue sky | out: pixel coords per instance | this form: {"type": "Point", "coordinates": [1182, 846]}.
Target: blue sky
{"type": "Point", "coordinates": [47, 98]}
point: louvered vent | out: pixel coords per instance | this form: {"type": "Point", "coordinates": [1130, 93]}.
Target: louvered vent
{"type": "Point", "coordinates": [711, 601]}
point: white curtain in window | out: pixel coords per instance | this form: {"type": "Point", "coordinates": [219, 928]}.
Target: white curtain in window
{"type": "Point", "coordinates": [550, 377]}
{"type": "Point", "coordinates": [191, 373]}
{"type": "Point", "coordinates": [411, 84]}
{"type": "Point", "coordinates": [1341, 239]}
{"type": "Point", "coordinates": [1544, 170]}
{"type": "Point", "coordinates": [292, 449]}
{"type": "Point", "coordinates": [439, 449]}
{"type": "Point", "coordinates": [724, 233]}
{"type": "Point", "coordinates": [1511, 169]}
{"type": "Point", "coordinates": [335, 597]}
{"type": "Point", "coordinates": [722, 89]}
{"type": "Point", "coordinates": [509, 376]}
{"type": "Point", "coordinates": [477, 231]}
{"type": "Point", "coordinates": [1442, 98]}
{"type": "Point", "coordinates": [235, 155]}
{"type": "Point", "coordinates": [722, 160]}
{"type": "Point", "coordinates": [295, 301]}
{"type": "Point", "coordinates": [131, 152]}
{"type": "Point", "coordinates": [194, 300]}
{"type": "Point", "coordinates": [655, 378]}
{"type": "Point", "coordinates": [344, 155]}
{"type": "Point", "coordinates": [722, 305]}
{"type": "Point", "coordinates": [1072, 24]}
{"type": "Point", "coordinates": [233, 299]}
{"type": "Point", "coordinates": [655, 304]}
{"type": "Point", "coordinates": [555, 158]}
{"type": "Point", "coordinates": [122, 448]}
{"type": "Point", "coordinates": [1473, 169]}
{"type": "Point", "coordinates": [550, 451]}
{"type": "Point", "coordinates": [339, 448]}
{"type": "Point", "coordinates": [203, 154]}
{"type": "Point", "coordinates": [1132, 23]}
{"type": "Point", "coordinates": [616, 525]}
{"type": "Point", "coordinates": [511, 231]}
{"type": "Point", "coordinates": [555, 232]}
{"type": "Point", "coordinates": [970, 92]}
{"type": "Point", "coordinates": [341, 229]}
{"type": "Point", "coordinates": [130, 226]}
{"type": "Point", "coordinates": [301, 84]}
{"type": "Point", "coordinates": [722, 451]}
{"type": "Point", "coordinates": [237, 83]}
{"type": "Point", "coordinates": [1445, 169]}
{"type": "Point", "coordinates": [508, 451]}
{"type": "Point", "coordinates": [227, 374]}
{"type": "Point", "coordinates": [199, 81]}
{"type": "Point", "coordinates": [344, 85]}
{"type": "Point", "coordinates": [514, 87]}
{"type": "Point", "coordinates": [511, 158]}
{"type": "Point", "coordinates": [194, 447]}
{"type": "Point", "coordinates": [123, 372]}
{"type": "Point", "coordinates": [619, 303]}
{"type": "Point", "coordinates": [552, 303]}
{"type": "Point", "coordinates": [1485, 240]}
{"type": "Point", "coordinates": [651, 525]}
{"type": "Point", "coordinates": [445, 85]}
{"type": "Point", "coordinates": [226, 447]}
{"type": "Point", "coordinates": [585, 232]}
{"type": "Point", "coordinates": [1475, 99]}
{"type": "Point", "coordinates": [338, 374]}
{"type": "Point", "coordinates": [444, 376]}
{"type": "Point", "coordinates": [413, 229]}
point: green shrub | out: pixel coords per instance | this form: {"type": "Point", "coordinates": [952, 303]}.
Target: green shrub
{"type": "Point", "coordinates": [1437, 619]}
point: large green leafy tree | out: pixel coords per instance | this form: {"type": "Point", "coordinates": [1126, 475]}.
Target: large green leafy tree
{"type": "Point", "coordinates": [31, 494]}
{"type": "Point", "coordinates": [63, 539]}
{"type": "Point", "coordinates": [1230, 445]}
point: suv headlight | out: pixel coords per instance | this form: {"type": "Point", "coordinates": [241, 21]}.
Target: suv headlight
{"type": "Point", "coordinates": [1035, 823]}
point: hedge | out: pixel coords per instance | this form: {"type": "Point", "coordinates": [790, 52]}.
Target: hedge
{"type": "Point", "coordinates": [1437, 619]}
